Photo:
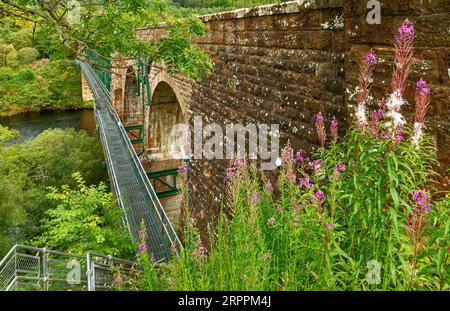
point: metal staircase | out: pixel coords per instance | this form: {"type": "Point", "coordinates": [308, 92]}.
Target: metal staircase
{"type": "Point", "coordinates": [27, 268]}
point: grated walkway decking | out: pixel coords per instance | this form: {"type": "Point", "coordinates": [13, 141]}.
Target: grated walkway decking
{"type": "Point", "coordinates": [136, 196]}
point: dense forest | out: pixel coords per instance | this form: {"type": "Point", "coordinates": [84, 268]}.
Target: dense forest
{"type": "Point", "coordinates": [36, 71]}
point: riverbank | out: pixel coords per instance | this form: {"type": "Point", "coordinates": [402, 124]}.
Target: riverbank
{"type": "Point", "coordinates": [69, 107]}
{"type": "Point", "coordinates": [31, 124]}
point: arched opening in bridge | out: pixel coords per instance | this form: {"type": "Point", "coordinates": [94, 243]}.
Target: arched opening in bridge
{"type": "Point", "coordinates": [131, 110]}
{"type": "Point", "coordinates": [161, 166]}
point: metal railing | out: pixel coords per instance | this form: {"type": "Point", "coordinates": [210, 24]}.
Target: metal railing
{"type": "Point", "coordinates": [104, 109]}
{"type": "Point", "coordinates": [27, 268]}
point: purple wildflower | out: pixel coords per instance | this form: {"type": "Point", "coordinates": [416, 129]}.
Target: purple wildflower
{"type": "Point", "coordinates": [286, 154]}
{"type": "Point", "coordinates": [305, 182]}
{"type": "Point", "coordinates": [317, 164]}
{"type": "Point", "coordinates": [334, 129]}
{"type": "Point", "coordinates": [371, 58]}
{"type": "Point", "coordinates": [233, 167]}
{"type": "Point", "coordinates": [405, 31]}
{"type": "Point", "coordinates": [422, 87]}
{"type": "Point", "coordinates": [319, 195]}
{"type": "Point", "coordinates": [377, 115]}
{"type": "Point", "coordinates": [182, 169]}
{"type": "Point", "coordinates": [255, 198]}
{"type": "Point", "coordinates": [422, 201]}
{"type": "Point", "coordinates": [320, 128]}
{"type": "Point", "coordinates": [299, 156]}
{"type": "Point", "coordinates": [201, 249]}
{"type": "Point", "coordinates": [142, 248]}
{"type": "Point", "coordinates": [386, 136]}
{"type": "Point", "coordinates": [268, 187]}
{"type": "Point", "coordinates": [330, 226]}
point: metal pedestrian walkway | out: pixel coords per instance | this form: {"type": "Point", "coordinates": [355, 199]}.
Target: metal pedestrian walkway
{"type": "Point", "coordinates": [136, 196]}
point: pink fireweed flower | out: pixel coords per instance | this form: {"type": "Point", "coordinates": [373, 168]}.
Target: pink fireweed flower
{"type": "Point", "coordinates": [406, 32]}
{"type": "Point", "coordinates": [317, 164]}
{"type": "Point", "coordinates": [201, 249]}
{"type": "Point", "coordinates": [377, 115]}
{"type": "Point", "coordinates": [233, 167]}
{"type": "Point", "coordinates": [402, 68]}
{"type": "Point", "coordinates": [320, 128]}
{"type": "Point", "coordinates": [371, 58]}
{"type": "Point", "coordinates": [402, 64]}
{"type": "Point", "coordinates": [301, 158]}
{"type": "Point", "coordinates": [305, 182]}
{"type": "Point", "coordinates": [182, 169]}
{"type": "Point", "coordinates": [421, 200]}
{"type": "Point", "coordinates": [330, 226]}
{"type": "Point", "coordinates": [366, 71]}
{"type": "Point", "coordinates": [334, 129]}
{"type": "Point", "coordinates": [320, 195]}
{"type": "Point", "coordinates": [142, 248]}
{"type": "Point", "coordinates": [255, 198]}
{"type": "Point", "coordinates": [286, 154]}
{"type": "Point", "coordinates": [340, 168]}
{"type": "Point", "coordinates": [422, 101]}
{"type": "Point", "coordinates": [268, 187]}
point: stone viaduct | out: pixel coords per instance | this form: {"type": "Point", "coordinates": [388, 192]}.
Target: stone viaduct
{"type": "Point", "coordinates": [282, 64]}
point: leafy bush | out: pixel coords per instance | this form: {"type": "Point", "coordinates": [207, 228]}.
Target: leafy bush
{"type": "Point", "coordinates": [8, 56]}
{"type": "Point", "coordinates": [45, 161]}
{"type": "Point", "coordinates": [84, 220]}
{"type": "Point", "coordinates": [28, 55]}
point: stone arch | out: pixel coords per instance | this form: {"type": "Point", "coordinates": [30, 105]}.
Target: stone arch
{"type": "Point", "coordinates": [163, 76]}
{"type": "Point", "coordinates": [166, 111]}
{"type": "Point", "coordinates": [131, 108]}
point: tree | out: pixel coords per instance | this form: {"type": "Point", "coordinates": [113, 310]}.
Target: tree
{"type": "Point", "coordinates": [46, 161]}
{"type": "Point", "coordinates": [85, 219]}
{"type": "Point", "coordinates": [8, 55]}
{"type": "Point", "coordinates": [28, 55]}
{"type": "Point", "coordinates": [109, 26]}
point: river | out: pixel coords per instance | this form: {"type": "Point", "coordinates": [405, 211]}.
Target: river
{"type": "Point", "coordinates": [32, 124]}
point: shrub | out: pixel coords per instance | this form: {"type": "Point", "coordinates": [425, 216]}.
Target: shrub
{"type": "Point", "coordinates": [85, 219]}
{"type": "Point", "coordinates": [28, 55]}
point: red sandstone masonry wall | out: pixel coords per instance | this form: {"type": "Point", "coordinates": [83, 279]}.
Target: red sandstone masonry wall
{"type": "Point", "coordinates": [284, 63]}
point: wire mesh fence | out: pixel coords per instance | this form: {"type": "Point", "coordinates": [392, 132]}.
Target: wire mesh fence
{"type": "Point", "coordinates": [27, 268]}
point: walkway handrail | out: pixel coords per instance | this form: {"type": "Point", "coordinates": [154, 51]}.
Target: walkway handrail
{"type": "Point", "coordinates": [169, 231]}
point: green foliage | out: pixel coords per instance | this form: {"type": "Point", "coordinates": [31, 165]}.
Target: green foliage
{"type": "Point", "coordinates": [223, 4]}
{"type": "Point", "coordinates": [347, 227]}
{"type": "Point", "coordinates": [45, 161]}
{"type": "Point", "coordinates": [85, 219]}
{"type": "Point", "coordinates": [28, 55]}
{"type": "Point", "coordinates": [110, 28]}
{"type": "Point", "coordinates": [31, 84]}
{"type": "Point", "coordinates": [21, 38]}
{"type": "Point", "coordinates": [7, 134]}
{"type": "Point", "coordinates": [47, 85]}
{"type": "Point", "coordinates": [8, 56]}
